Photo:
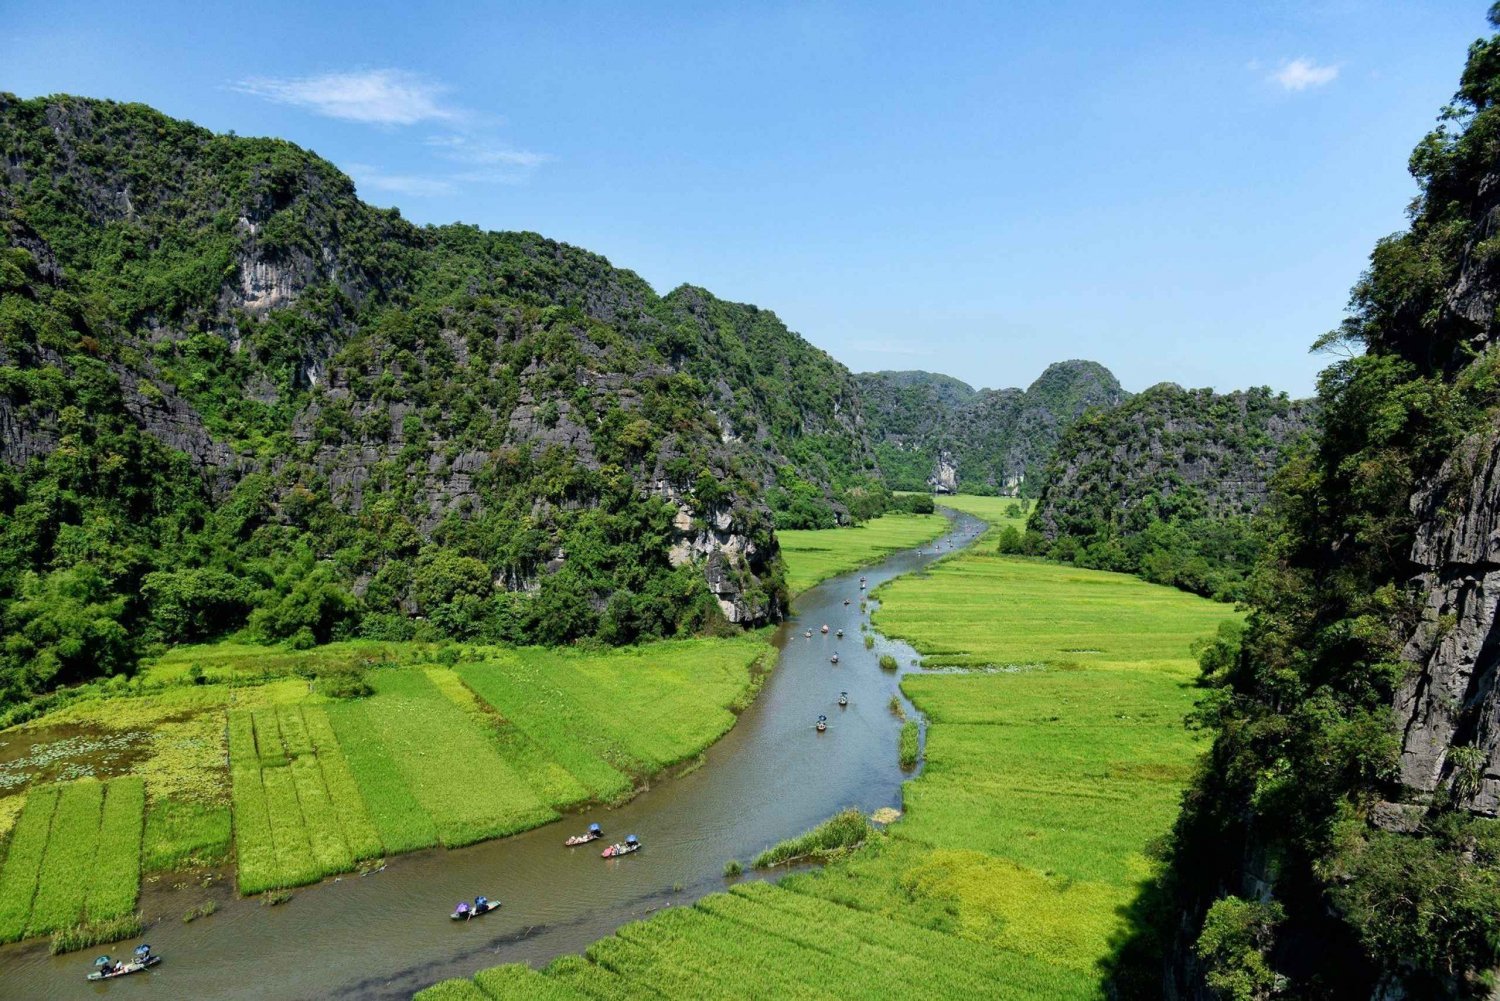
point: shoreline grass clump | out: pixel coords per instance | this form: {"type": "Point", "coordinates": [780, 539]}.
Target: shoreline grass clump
{"type": "Point", "coordinates": [910, 744]}
{"type": "Point", "coordinates": [203, 910]}
{"type": "Point", "coordinates": [843, 831]}
{"type": "Point", "coordinates": [84, 936]}
{"type": "Point", "coordinates": [888, 662]}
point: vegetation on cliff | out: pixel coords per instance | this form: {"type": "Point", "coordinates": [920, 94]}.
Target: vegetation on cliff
{"type": "Point", "coordinates": [1382, 887]}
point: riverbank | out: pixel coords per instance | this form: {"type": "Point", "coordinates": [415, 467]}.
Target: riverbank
{"type": "Point", "coordinates": [1054, 756]}
{"type": "Point", "coordinates": [815, 555]}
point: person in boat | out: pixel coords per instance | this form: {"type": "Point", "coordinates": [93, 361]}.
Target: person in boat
{"type": "Point", "coordinates": [462, 909]}
{"type": "Point", "coordinates": [481, 904]}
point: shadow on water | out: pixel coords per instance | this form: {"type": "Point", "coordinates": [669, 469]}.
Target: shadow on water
{"type": "Point", "coordinates": [386, 935]}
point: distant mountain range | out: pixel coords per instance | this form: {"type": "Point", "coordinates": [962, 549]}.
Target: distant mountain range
{"type": "Point", "coordinates": [935, 432]}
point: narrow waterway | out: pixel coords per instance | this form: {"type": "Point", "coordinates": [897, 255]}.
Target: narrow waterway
{"type": "Point", "coordinates": [388, 934]}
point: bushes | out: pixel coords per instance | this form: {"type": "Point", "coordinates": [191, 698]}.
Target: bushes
{"type": "Point", "coordinates": [887, 661]}
{"type": "Point", "coordinates": [1232, 947]}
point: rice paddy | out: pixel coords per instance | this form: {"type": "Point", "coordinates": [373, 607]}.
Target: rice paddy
{"type": "Point", "coordinates": [74, 857]}
{"type": "Point", "coordinates": [1055, 753]}
{"type": "Point", "coordinates": [814, 555]}
{"type": "Point", "coordinates": [483, 745]}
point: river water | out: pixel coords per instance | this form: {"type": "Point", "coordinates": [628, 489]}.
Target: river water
{"type": "Point", "coordinates": [387, 935]}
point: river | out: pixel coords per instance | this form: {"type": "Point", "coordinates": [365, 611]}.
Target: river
{"type": "Point", "coordinates": [386, 935]}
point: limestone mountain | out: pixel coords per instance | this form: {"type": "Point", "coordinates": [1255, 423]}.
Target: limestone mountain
{"type": "Point", "coordinates": [934, 432]}
{"type": "Point", "coordinates": [1165, 484]}
{"type": "Point", "coordinates": [234, 395]}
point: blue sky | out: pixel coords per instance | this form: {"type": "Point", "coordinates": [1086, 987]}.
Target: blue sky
{"type": "Point", "coordinates": [1182, 191]}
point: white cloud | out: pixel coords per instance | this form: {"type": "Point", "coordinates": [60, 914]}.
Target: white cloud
{"type": "Point", "coordinates": [1302, 73]}
{"type": "Point", "coordinates": [376, 97]}
{"type": "Point", "coordinates": [370, 178]}
{"type": "Point", "coordinates": [465, 149]}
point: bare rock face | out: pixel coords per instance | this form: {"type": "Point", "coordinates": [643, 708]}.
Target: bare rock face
{"type": "Point", "coordinates": [1451, 698]}
{"type": "Point", "coordinates": [729, 556]}
{"type": "Point", "coordinates": [944, 479]}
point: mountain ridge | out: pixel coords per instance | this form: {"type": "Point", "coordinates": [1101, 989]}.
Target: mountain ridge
{"type": "Point", "coordinates": [935, 431]}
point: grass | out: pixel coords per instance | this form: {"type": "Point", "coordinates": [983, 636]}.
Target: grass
{"type": "Point", "coordinates": [399, 820]}
{"type": "Point", "coordinates": [450, 766]}
{"type": "Point", "coordinates": [997, 511]}
{"type": "Point", "coordinates": [1050, 766]}
{"type": "Point", "coordinates": [84, 936]}
{"type": "Point", "coordinates": [67, 867]}
{"type": "Point", "coordinates": [814, 555]}
{"type": "Point", "coordinates": [839, 833]}
{"type": "Point", "coordinates": [116, 880]}
{"type": "Point", "coordinates": [451, 990]}
{"type": "Point", "coordinates": [910, 748]}
{"type": "Point", "coordinates": [28, 846]}
{"type": "Point", "coordinates": [184, 833]}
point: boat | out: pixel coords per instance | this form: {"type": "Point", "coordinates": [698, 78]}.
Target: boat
{"type": "Point", "coordinates": [108, 969]}
{"type": "Point", "coordinates": [594, 833]}
{"type": "Point", "coordinates": [808, 634]}
{"type": "Point", "coordinates": [481, 905]}
{"type": "Point", "coordinates": [834, 659]}
{"type": "Point", "coordinates": [846, 601]}
{"type": "Point", "coordinates": [843, 698]}
{"type": "Point", "coordinates": [631, 844]}
{"type": "Point", "coordinates": [861, 585]}
{"type": "Point", "coordinates": [839, 634]}
{"type": "Point", "coordinates": [825, 629]}
{"type": "Point", "coordinates": [822, 724]}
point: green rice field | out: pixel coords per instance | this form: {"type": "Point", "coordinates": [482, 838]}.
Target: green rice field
{"type": "Point", "coordinates": [814, 555]}
{"type": "Point", "coordinates": [254, 766]}
{"type": "Point", "coordinates": [74, 857]}
{"type": "Point", "coordinates": [1056, 753]}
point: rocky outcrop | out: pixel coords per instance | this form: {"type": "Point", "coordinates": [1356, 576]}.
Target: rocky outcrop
{"type": "Point", "coordinates": [1451, 700]}
{"type": "Point", "coordinates": [935, 432]}
{"type": "Point", "coordinates": [944, 479]}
